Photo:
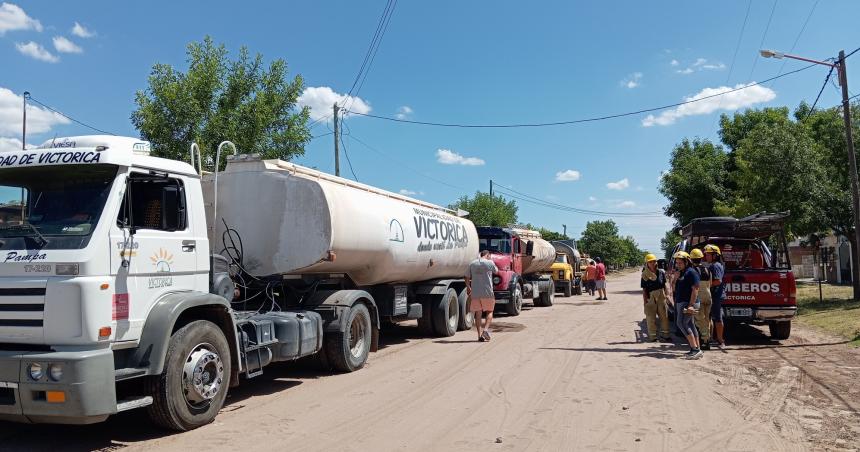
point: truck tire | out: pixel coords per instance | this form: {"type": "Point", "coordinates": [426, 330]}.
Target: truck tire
{"type": "Point", "coordinates": [515, 305]}
{"type": "Point", "coordinates": [779, 330]}
{"type": "Point", "coordinates": [467, 319]}
{"type": "Point", "coordinates": [347, 351]}
{"type": "Point", "coordinates": [545, 299]}
{"type": "Point", "coordinates": [568, 289]}
{"type": "Point", "coordinates": [446, 314]}
{"type": "Point", "coordinates": [192, 388]}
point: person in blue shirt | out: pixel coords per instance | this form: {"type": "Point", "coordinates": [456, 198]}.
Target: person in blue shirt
{"type": "Point", "coordinates": [718, 272]}
{"type": "Point", "coordinates": [686, 295]}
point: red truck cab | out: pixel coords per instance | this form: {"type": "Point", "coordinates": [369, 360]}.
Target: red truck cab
{"type": "Point", "coordinates": [759, 285]}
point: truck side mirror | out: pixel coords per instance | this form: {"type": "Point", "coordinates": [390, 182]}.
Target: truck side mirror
{"type": "Point", "coordinates": [530, 248]}
{"type": "Point", "coordinates": [173, 216]}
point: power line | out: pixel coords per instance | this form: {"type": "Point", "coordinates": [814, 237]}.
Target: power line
{"type": "Point", "coordinates": [826, 79]}
{"type": "Point", "coordinates": [346, 154]}
{"type": "Point", "coordinates": [763, 37]}
{"type": "Point", "coordinates": [392, 159]}
{"type": "Point", "coordinates": [373, 47]}
{"type": "Point", "coordinates": [69, 117]}
{"type": "Point", "coordinates": [740, 39]}
{"type": "Point", "coordinates": [321, 135]}
{"type": "Point", "coordinates": [558, 206]}
{"type": "Point", "coordinates": [373, 57]}
{"type": "Point", "coordinates": [578, 121]}
{"type": "Point", "coordinates": [799, 34]}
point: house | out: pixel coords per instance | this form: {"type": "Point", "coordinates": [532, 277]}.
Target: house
{"type": "Point", "coordinates": [830, 257]}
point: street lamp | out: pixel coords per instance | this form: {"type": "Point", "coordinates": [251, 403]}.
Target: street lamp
{"type": "Point", "coordinates": [839, 65]}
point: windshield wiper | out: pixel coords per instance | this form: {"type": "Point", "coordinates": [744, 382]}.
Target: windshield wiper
{"type": "Point", "coordinates": [27, 227]}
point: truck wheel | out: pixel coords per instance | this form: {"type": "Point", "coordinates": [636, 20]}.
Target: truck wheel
{"type": "Point", "coordinates": [467, 319]}
{"type": "Point", "coordinates": [546, 298]}
{"type": "Point", "coordinates": [446, 314]}
{"type": "Point", "coordinates": [568, 289]}
{"type": "Point", "coordinates": [515, 305]}
{"type": "Point", "coordinates": [191, 389]}
{"type": "Point", "coordinates": [578, 290]}
{"type": "Point", "coordinates": [347, 351]}
{"type": "Point", "coordinates": [779, 330]}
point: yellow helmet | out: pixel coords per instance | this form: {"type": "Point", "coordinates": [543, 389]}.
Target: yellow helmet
{"type": "Point", "coordinates": [650, 258]}
{"type": "Point", "coordinates": [696, 254]}
{"type": "Point", "coordinates": [712, 249]}
{"type": "Point", "coordinates": [681, 255]}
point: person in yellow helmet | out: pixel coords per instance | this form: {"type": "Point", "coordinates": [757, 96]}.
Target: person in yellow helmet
{"type": "Point", "coordinates": [703, 316]}
{"type": "Point", "coordinates": [718, 271]}
{"type": "Point", "coordinates": [654, 295]}
{"type": "Point", "coordinates": [686, 294]}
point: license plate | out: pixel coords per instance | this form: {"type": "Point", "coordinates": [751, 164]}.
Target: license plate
{"type": "Point", "coordinates": [740, 312]}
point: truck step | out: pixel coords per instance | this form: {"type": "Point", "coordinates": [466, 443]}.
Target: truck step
{"type": "Point", "coordinates": [130, 404]}
{"type": "Point", "coordinates": [128, 373]}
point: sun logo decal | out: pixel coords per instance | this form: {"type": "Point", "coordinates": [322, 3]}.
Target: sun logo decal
{"type": "Point", "coordinates": [162, 259]}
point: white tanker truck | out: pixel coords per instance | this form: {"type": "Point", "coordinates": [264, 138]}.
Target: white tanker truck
{"type": "Point", "coordinates": [131, 281]}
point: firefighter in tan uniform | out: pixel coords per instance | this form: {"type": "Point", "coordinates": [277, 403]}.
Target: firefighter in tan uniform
{"type": "Point", "coordinates": [654, 296]}
{"type": "Point", "coordinates": [703, 317]}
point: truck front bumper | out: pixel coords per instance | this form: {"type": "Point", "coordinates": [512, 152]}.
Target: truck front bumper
{"type": "Point", "coordinates": [502, 296]}
{"type": "Point", "coordinates": [84, 394]}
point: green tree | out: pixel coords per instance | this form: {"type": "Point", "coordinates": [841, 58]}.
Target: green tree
{"type": "Point", "coordinates": [631, 254]}
{"type": "Point", "coordinates": [487, 210]}
{"type": "Point", "coordinates": [600, 239]}
{"type": "Point", "coordinates": [551, 235]}
{"type": "Point", "coordinates": [219, 99]}
{"type": "Point", "coordinates": [668, 242]}
{"type": "Point", "coordinates": [695, 183]}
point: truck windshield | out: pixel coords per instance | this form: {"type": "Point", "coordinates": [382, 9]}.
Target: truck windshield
{"type": "Point", "coordinates": [495, 244]}
{"type": "Point", "coordinates": [561, 258]}
{"type": "Point", "coordinates": [751, 254]}
{"type": "Point", "coordinates": [52, 207]}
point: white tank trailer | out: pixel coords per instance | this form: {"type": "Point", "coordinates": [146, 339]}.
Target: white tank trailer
{"type": "Point", "coordinates": [542, 251]}
{"type": "Point", "coordinates": [311, 231]}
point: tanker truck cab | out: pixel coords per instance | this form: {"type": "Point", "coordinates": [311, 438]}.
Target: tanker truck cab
{"type": "Point", "coordinates": [522, 274]}
{"type": "Point", "coordinates": [99, 234]}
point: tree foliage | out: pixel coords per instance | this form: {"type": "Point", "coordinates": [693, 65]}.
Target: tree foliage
{"type": "Point", "coordinates": [601, 239]}
{"type": "Point", "coordinates": [551, 235]}
{"type": "Point", "coordinates": [668, 242]}
{"type": "Point", "coordinates": [695, 182]}
{"type": "Point", "coordinates": [487, 210]}
{"type": "Point", "coordinates": [219, 99]}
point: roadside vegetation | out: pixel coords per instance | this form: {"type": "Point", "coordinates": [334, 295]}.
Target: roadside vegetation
{"type": "Point", "coordinates": [837, 314]}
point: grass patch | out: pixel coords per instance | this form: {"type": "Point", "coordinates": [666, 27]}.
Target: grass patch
{"type": "Point", "coordinates": [838, 313]}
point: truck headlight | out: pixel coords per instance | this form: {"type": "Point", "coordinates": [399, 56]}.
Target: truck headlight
{"type": "Point", "coordinates": [35, 371]}
{"type": "Point", "coordinates": [496, 280]}
{"type": "Point", "coordinates": [55, 371]}
{"type": "Point", "coordinates": [66, 269]}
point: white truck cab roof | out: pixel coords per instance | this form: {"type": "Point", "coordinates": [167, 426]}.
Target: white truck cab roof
{"type": "Point", "coordinates": [93, 149]}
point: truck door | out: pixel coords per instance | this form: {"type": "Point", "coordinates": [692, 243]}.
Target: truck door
{"type": "Point", "coordinates": [160, 257]}
{"type": "Point", "coordinates": [517, 261]}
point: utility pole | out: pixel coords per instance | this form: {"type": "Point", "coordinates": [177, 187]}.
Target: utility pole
{"type": "Point", "coordinates": [336, 141]}
{"type": "Point", "coordinates": [24, 128]}
{"type": "Point", "coordinates": [491, 188]}
{"type": "Point", "coordinates": [852, 163]}
{"type": "Point", "coordinates": [564, 226]}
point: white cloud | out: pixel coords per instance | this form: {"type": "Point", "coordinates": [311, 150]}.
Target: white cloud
{"type": "Point", "coordinates": [448, 157]}
{"type": "Point", "coordinates": [13, 18]}
{"type": "Point", "coordinates": [626, 204]}
{"type": "Point", "coordinates": [33, 50]}
{"type": "Point", "coordinates": [592, 198]}
{"type": "Point", "coordinates": [633, 80]}
{"type": "Point", "coordinates": [320, 100]}
{"type": "Point", "coordinates": [63, 45]}
{"type": "Point", "coordinates": [620, 185]}
{"type": "Point", "coordinates": [82, 31]}
{"type": "Point", "coordinates": [39, 120]}
{"type": "Point", "coordinates": [674, 63]}
{"type": "Point", "coordinates": [403, 112]}
{"type": "Point", "coordinates": [9, 144]}
{"type": "Point", "coordinates": [701, 64]}
{"type": "Point", "coordinates": [567, 176]}
{"type": "Point", "coordinates": [406, 192]}
{"type": "Point", "coordinates": [754, 94]}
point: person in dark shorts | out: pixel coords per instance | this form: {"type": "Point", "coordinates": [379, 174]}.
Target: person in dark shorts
{"type": "Point", "coordinates": [686, 301]}
{"type": "Point", "coordinates": [718, 271]}
{"type": "Point", "coordinates": [479, 287]}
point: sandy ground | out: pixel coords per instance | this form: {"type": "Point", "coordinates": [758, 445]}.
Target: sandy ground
{"type": "Point", "coordinates": [575, 376]}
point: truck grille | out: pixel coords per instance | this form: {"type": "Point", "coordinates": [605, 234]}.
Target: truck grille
{"type": "Point", "coordinates": [22, 307]}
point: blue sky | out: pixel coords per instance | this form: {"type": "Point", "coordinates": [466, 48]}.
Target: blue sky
{"type": "Point", "coordinates": [452, 61]}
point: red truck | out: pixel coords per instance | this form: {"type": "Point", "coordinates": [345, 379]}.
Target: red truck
{"type": "Point", "coordinates": [759, 284]}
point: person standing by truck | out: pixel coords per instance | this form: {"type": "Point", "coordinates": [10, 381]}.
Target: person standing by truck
{"type": "Point", "coordinates": [686, 295]}
{"type": "Point", "coordinates": [654, 295]}
{"type": "Point", "coordinates": [590, 275]}
{"type": "Point", "coordinates": [703, 315]}
{"type": "Point", "coordinates": [718, 271]}
{"type": "Point", "coordinates": [600, 279]}
{"type": "Point", "coordinates": [479, 287]}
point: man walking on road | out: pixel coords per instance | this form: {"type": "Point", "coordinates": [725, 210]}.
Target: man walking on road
{"type": "Point", "coordinates": [600, 279]}
{"type": "Point", "coordinates": [686, 296]}
{"type": "Point", "coordinates": [654, 294]}
{"type": "Point", "coordinates": [479, 287]}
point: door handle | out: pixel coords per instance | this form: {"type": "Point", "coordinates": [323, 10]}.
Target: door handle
{"type": "Point", "coordinates": [188, 246]}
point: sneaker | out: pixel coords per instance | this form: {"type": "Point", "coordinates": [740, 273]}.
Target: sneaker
{"type": "Point", "coordinates": [481, 339]}
{"type": "Point", "coordinates": [486, 335]}
{"type": "Point", "coordinates": [666, 339]}
{"type": "Point", "coordinates": [706, 345]}
{"type": "Point", "coordinates": [694, 354]}
{"type": "Point", "coordinates": [721, 346]}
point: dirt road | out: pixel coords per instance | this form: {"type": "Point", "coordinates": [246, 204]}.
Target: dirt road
{"type": "Point", "coordinates": [575, 376]}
